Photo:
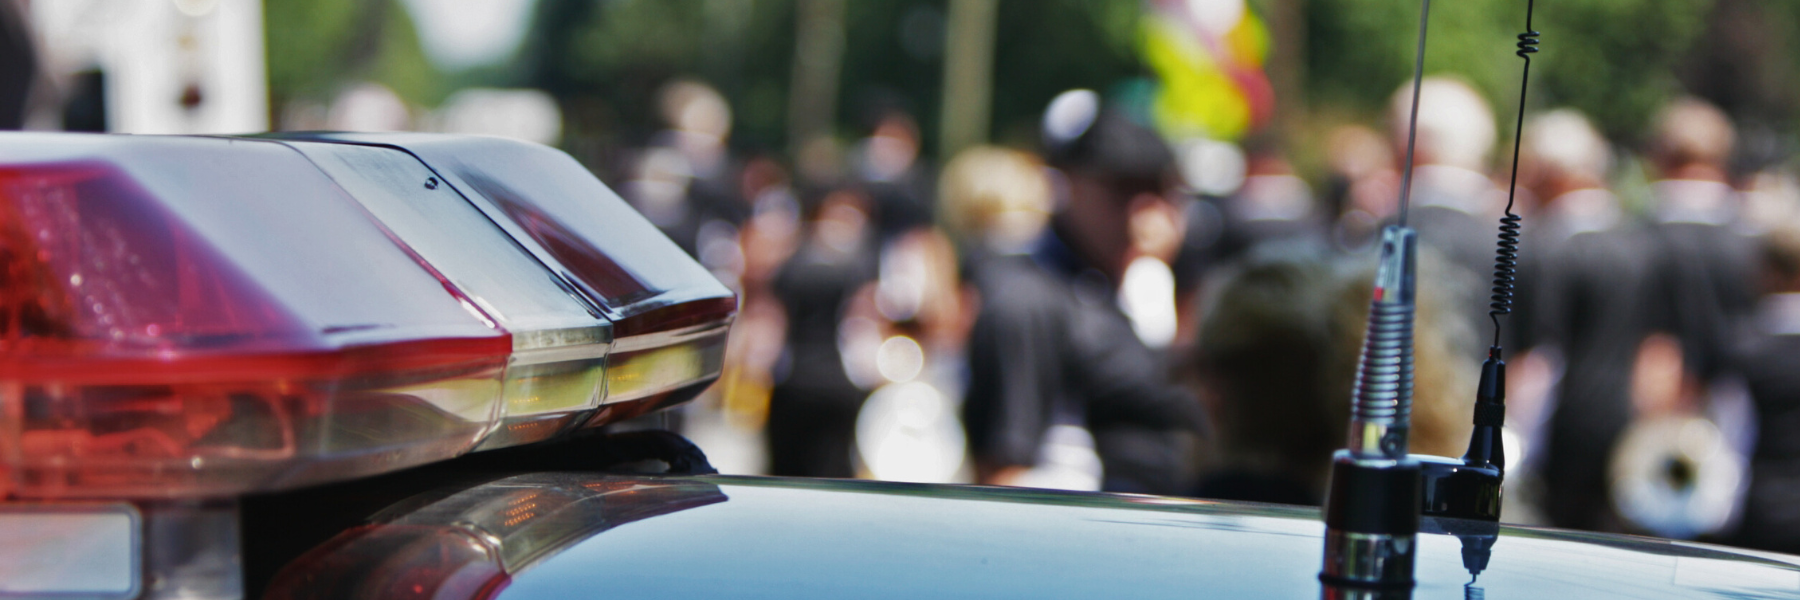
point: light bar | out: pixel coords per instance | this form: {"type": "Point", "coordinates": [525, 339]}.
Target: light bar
{"type": "Point", "coordinates": [186, 317]}
{"type": "Point", "coordinates": [669, 315]}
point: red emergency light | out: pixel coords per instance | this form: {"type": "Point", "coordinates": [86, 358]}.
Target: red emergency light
{"type": "Point", "coordinates": [202, 317]}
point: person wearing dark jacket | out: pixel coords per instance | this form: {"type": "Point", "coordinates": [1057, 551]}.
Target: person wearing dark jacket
{"type": "Point", "coordinates": [1051, 350]}
{"type": "Point", "coordinates": [813, 406]}
{"type": "Point", "coordinates": [1706, 265]}
{"type": "Point", "coordinates": [1585, 277]}
{"type": "Point", "coordinates": [1770, 362]}
{"type": "Point", "coordinates": [18, 65]}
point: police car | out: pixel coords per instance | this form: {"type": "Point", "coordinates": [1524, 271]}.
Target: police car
{"type": "Point", "coordinates": [375, 366]}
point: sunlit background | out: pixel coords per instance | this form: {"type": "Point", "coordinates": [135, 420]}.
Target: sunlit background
{"type": "Point", "coordinates": [970, 70]}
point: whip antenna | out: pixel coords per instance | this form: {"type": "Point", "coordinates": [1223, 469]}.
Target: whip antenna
{"type": "Point", "coordinates": [1490, 394]}
{"type": "Point", "coordinates": [1506, 259]}
{"type": "Point", "coordinates": [1472, 487]}
{"type": "Point", "coordinates": [1372, 506]}
{"type": "Point", "coordinates": [1412, 125]}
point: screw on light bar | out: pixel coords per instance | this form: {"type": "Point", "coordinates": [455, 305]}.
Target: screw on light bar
{"type": "Point", "coordinates": [184, 317]}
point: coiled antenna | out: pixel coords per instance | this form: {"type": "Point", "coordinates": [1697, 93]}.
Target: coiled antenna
{"type": "Point", "coordinates": [1506, 255]}
{"type": "Point", "coordinates": [1475, 485]}
{"type": "Point", "coordinates": [1470, 592]}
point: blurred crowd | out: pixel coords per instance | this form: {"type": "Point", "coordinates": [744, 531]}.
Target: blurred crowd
{"type": "Point", "coordinates": [1107, 310]}
{"type": "Point", "coordinates": [1100, 307]}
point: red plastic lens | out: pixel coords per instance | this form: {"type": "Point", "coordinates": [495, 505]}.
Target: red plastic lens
{"type": "Point", "coordinates": [92, 265]}
{"type": "Point", "coordinates": [141, 360]}
{"type": "Point", "coordinates": [186, 317]}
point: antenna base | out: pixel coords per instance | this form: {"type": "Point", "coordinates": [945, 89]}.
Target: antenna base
{"type": "Point", "coordinates": [1453, 488]}
{"type": "Point", "coordinates": [1371, 522]}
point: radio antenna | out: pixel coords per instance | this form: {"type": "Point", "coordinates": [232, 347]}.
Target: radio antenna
{"type": "Point", "coordinates": [1373, 504]}
{"type": "Point", "coordinates": [1412, 125]}
{"type": "Point", "coordinates": [1471, 488]}
{"type": "Point", "coordinates": [1490, 394]}
{"type": "Point", "coordinates": [1506, 256]}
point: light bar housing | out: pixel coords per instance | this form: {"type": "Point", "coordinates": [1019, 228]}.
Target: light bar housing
{"type": "Point", "coordinates": [211, 316]}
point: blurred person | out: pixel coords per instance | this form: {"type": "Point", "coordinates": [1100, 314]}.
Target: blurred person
{"type": "Point", "coordinates": [1273, 204]}
{"type": "Point", "coordinates": [1771, 199]}
{"type": "Point", "coordinates": [686, 184]}
{"type": "Point", "coordinates": [1277, 357]}
{"type": "Point", "coordinates": [888, 166]}
{"type": "Point", "coordinates": [1770, 355]}
{"type": "Point", "coordinates": [1705, 265]}
{"type": "Point", "coordinates": [999, 202]}
{"type": "Point", "coordinates": [813, 407]}
{"type": "Point", "coordinates": [996, 200]}
{"type": "Point", "coordinates": [1584, 280]}
{"type": "Point", "coordinates": [1704, 292]}
{"type": "Point", "coordinates": [728, 421]}
{"type": "Point", "coordinates": [910, 327]}
{"type": "Point", "coordinates": [1053, 351]}
{"type": "Point", "coordinates": [685, 181]}
{"type": "Point", "coordinates": [1453, 201]}
{"type": "Point", "coordinates": [771, 232]}
{"type": "Point", "coordinates": [18, 65]}
{"type": "Point", "coordinates": [1363, 184]}
{"type": "Point", "coordinates": [1259, 367]}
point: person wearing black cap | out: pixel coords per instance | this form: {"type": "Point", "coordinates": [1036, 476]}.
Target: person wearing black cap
{"type": "Point", "coordinates": [1051, 350]}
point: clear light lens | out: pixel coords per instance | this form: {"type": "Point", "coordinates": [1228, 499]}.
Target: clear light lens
{"type": "Point", "coordinates": [86, 551]}
{"type": "Point", "coordinates": [557, 369]}
{"type": "Point", "coordinates": [655, 296]}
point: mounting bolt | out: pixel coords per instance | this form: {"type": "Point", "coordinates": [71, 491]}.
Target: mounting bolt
{"type": "Point", "coordinates": [1391, 444]}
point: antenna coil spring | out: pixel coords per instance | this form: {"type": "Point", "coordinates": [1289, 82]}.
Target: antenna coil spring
{"type": "Point", "coordinates": [1528, 42]}
{"type": "Point", "coordinates": [1506, 267]}
{"type": "Point", "coordinates": [1506, 252]}
{"type": "Point", "coordinates": [1383, 392]}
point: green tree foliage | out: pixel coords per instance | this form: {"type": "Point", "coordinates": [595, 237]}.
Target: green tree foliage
{"type": "Point", "coordinates": [1613, 59]}
{"type": "Point", "coordinates": [1044, 47]}
{"type": "Point", "coordinates": [1616, 59]}
{"type": "Point", "coordinates": [606, 58]}
{"type": "Point", "coordinates": [316, 46]}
